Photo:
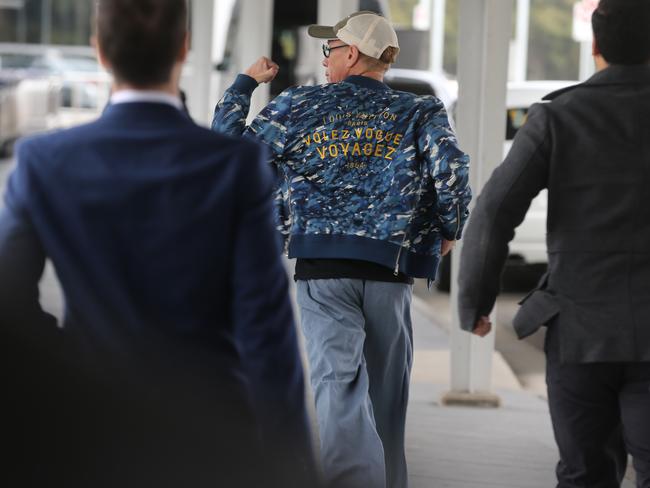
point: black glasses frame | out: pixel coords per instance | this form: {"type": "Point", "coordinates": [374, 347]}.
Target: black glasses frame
{"type": "Point", "coordinates": [327, 50]}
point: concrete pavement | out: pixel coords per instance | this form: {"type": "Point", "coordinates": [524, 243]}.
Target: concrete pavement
{"type": "Point", "coordinates": [461, 447]}
{"type": "Point", "coordinates": [456, 447]}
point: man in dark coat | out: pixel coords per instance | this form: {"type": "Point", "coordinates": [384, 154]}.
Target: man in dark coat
{"type": "Point", "coordinates": [590, 147]}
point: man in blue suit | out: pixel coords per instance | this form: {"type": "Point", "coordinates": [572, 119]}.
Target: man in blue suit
{"type": "Point", "coordinates": [162, 236]}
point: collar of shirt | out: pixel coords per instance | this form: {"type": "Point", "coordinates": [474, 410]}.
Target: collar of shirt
{"type": "Point", "coordinates": [367, 82]}
{"type": "Point", "coordinates": [146, 96]}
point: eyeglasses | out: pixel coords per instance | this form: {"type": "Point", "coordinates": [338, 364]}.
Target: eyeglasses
{"type": "Point", "coordinates": [327, 49]}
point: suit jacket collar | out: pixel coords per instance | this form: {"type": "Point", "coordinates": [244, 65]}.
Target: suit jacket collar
{"type": "Point", "coordinates": [613, 75]}
{"type": "Point", "coordinates": [145, 111]}
{"type": "Point", "coordinates": [151, 96]}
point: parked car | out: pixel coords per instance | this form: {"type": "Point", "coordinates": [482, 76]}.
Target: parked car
{"type": "Point", "coordinates": [54, 87]}
{"type": "Point", "coordinates": [423, 83]}
{"type": "Point", "coordinates": [28, 105]}
{"type": "Point", "coordinates": [85, 85]}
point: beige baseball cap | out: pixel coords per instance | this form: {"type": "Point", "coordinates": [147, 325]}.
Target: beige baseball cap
{"type": "Point", "coordinates": [370, 32]}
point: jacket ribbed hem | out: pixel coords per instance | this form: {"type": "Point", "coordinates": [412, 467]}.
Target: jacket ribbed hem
{"type": "Point", "coordinates": [329, 246]}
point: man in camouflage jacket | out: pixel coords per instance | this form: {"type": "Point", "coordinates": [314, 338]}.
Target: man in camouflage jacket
{"type": "Point", "coordinates": [372, 190]}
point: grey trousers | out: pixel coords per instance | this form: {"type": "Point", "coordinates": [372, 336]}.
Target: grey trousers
{"type": "Point", "coordinates": [600, 413]}
{"type": "Point", "coordinates": [360, 347]}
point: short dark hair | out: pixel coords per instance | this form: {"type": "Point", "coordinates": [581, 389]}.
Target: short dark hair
{"type": "Point", "coordinates": [141, 39]}
{"type": "Point", "coordinates": [622, 31]}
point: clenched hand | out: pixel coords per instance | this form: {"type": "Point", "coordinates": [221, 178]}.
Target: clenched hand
{"type": "Point", "coordinates": [483, 326]}
{"type": "Point", "coordinates": [264, 70]}
{"type": "Point", "coordinates": [447, 246]}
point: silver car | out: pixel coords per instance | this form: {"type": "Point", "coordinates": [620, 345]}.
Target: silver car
{"type": "Point", "coordinates": [28, 103]}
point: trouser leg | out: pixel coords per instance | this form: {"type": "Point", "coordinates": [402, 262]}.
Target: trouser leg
{"type": "Point", "coordinates": [389, 353]}
{"type": "Point", "coordinates": [635, 413]}
{"type": "Point", "coordinates": [333, 325]}
{"type": "Point", "coordinates": [583, 400]}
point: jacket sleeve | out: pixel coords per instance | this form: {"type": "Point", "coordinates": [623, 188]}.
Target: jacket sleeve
{"type": "Point", "coordinates": [271, 126]}
{"type": "Point", "coordinates": [449, 168]}
{"type": "Point", "coordinates": [264, 327]}
{"type": "Point", "coordinates": [22, 258]}
{"type": "Point", "coordinates": [500, 208]}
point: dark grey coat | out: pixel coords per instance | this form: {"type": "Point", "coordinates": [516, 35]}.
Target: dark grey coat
{"type": "Point", "coordinates": [590, 146]}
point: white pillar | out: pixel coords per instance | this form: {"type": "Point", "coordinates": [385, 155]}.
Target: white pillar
{"type": "Point", "coordinates": [587, 63]}
{"type": "Point", "coordinates": [485, 27]}
{"type": "Point", "coordinates": [437, 35]}
{"type": "Point", "coordinates": [520, 60]}
{"type": "Point", "coordinates": [255, 39]}
{"type": "Point", "coordinates": [329, 13]}
{"type": "Point", "coordinates": [199, 88]}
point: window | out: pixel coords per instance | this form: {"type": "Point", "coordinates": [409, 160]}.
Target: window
{"type": "Point", "coordinates": [65, 22]}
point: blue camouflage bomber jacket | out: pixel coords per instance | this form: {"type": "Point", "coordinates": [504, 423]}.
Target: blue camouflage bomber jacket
{"type": "Point", "coordinates": [365, 172]}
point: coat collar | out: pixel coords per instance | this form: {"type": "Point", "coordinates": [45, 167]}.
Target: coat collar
{"type": "Point", "coordinates": [366, 82]}
{"type": "Point", "coordinates": [638, 74]}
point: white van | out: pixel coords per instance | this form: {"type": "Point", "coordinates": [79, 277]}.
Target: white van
{"type": "Point", "coordinates": [529, 244]}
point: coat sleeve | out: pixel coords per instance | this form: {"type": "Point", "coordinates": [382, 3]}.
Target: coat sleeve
{"type": "Point", "coordinates": [449, 168]}
{"type": "Point", "coordinates": [22, 258]}
{"type": "Point", "coordinates": [264, 327]}
{"type": "Point", "coordinates": [500, 208]}
{"type": "Point", "coordinates": [271, 126]}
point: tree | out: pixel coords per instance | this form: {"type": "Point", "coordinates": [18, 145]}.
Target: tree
{"type": "Point", "coordinates": [401, 12]}
{"type": "Point", "coordinates": [552, 52]}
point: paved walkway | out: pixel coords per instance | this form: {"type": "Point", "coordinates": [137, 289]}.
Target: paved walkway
{"type": "Point", "coordinates": [461, 447]}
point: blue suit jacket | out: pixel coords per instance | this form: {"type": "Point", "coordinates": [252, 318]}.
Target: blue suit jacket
{"type": "Point", "coordinates": [161, 233]}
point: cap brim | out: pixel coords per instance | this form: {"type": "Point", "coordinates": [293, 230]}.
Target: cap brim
{"type": "Point", "coordinates": [321, 31]}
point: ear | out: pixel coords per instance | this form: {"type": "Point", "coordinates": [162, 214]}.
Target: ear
{"type": "Point", "coordinates": [104, 63]}
{"type": "Point", "coordinates": [185, 49]}
{"type": "Point", "coordinates": [594, 48]}
{"type": "Point", "coordinates": [353, 56]}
